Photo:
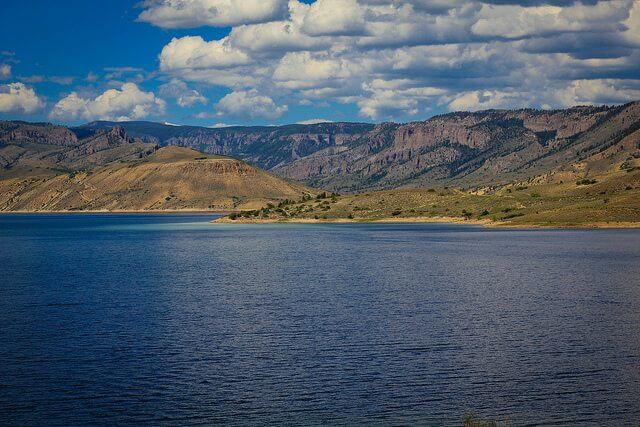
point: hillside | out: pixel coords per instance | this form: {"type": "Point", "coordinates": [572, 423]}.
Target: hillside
{"type": "Point", "coordinates": [112, 172]}
{"type": "Point", "coordinates": [487, 148]}
{"type": "Point", "coordinates": [608, 200]}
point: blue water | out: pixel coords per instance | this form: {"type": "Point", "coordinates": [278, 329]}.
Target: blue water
{"type": "Point", "coordinates": [167, 319]}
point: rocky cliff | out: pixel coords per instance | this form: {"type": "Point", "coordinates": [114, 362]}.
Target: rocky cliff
{"type": "Point", "coordinates": [486, 148]}
{"type": "Point", "coordinates": [467, 149]}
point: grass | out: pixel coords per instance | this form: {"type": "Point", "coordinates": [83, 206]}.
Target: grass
{"type": "Point", "coordinates": [611, 199]}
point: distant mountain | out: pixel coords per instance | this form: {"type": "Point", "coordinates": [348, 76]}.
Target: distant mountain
{"type": "Point", "coordinates": [485, 148]}
{"type": "Point", "coordinates": [44, 150]}
{"type": "Point", "coordinates": [266, 146]}
{"type": "Point", "coordinates": [49, 168]}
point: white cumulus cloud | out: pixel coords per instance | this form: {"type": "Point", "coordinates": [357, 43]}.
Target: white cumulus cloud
{"type": "Point", "coordinates": [18, 98]}
{"type": "Point", "coordinates": [184, 96]}
{"type": "Point", "coordinates": [335, 18]}
{"type": "Point", "coordinates": [313, 121]}
{"type": "Point", "coordinates": [127, 103]}
{"type": "Point", "coordinates": [249, 104]}
{"type": "Point", "coordinates": [400, 58]}
{"type": "Point", "coordinates": [217, 13]}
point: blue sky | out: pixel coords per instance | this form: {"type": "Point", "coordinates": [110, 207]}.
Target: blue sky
{"type": "Point", "coordinates": [217, 62]}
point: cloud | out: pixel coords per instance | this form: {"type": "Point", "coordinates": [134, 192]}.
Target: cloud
{"type": "Point", "coordinates": [599, 91]}
{"type": "Point", "coordinates": [91, 77]}
{"type": "Point", "coordinates": [179, 91]}
{"type": "Point", "coordinates": [487, 99]}
{"type": "Point", "coordinates": [126, 103]}
{"type": "Point", "coordinates": [334, 18]}
{"type": "Point", "coordinates": [249, 104]}
{"type": "Point", "coordinates": [216, 13]}
{"type": "Point", "coordinates": [194, 53]}
{"type": "Point", "coordinates": [516, 21]}
{"type": "Point", "coordinates": [278, 36]}
{"type": "Point", "coordinates": [387, 99]}
{"type": "Point", "coordinates": [36, 78]}
{"type": "Point", "coordinates": [313, 121]}
{"type": "Point", "coordinates": [400, 58]}
{"type": "Point", "coordinates": [5, 71]}
{"type": "Point", "coordinates": [18, 98]}
{"type": "Point", "coordinates": [576, 92]}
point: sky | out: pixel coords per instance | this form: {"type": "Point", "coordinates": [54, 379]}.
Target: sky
{"type": "Point", "coordinates": [264, 62]}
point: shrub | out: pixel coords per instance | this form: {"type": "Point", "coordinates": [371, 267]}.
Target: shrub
{"type": "Point", "coordinates": [396, 212]}
{"type": "Point", "coordinates": [586, 181]}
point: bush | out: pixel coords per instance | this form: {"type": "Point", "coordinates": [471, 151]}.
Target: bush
{"type": "Point", "coordinates": [396, 212]}
{"type": "Point", "coordinates": [484, 213]}
{"type": "Point", "coordinates": [586, 181]}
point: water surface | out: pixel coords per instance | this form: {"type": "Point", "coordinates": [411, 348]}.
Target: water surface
{"type": "Point", "coordinates": [117, 319]}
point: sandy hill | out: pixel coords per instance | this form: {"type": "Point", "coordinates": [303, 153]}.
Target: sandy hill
{"type": "Point", "coordinates": [171, 178]}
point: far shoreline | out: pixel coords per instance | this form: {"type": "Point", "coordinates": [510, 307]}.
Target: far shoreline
{"type": "Point", "coordinates": [435, 220]}
{"type": "Point", "coordinates": [223, 219]}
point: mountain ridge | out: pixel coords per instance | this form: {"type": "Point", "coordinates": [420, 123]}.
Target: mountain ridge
{"type": "Point", "coordinates": [491, 147]}
{"type": "Point", "coordinates": [466, 149]}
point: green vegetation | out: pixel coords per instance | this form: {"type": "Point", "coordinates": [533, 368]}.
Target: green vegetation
{"type": "Point", "coordinates": [611, 200]}
{"type": "Point", "coordinates": [586, 181]}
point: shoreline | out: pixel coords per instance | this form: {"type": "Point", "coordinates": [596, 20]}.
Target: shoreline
{"type": "Point", "coordinates": [485, 223]}
{"type": "Point", "coordinates": [439, 220]}
{"type": "Point", "coordinates": [132, 211]}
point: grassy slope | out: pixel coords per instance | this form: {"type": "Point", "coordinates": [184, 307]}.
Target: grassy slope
{"type": "Point", "coordinates": [614, 200]}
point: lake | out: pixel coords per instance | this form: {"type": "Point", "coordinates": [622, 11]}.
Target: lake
{"type": "Point", "coordinates": [168, 319]}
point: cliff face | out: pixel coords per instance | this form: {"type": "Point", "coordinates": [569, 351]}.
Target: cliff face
{"type": "Point", "coordinates": [42, 149]}
{"type": "Point", "coordinates": [43, 133]}
{"type": "Point", "coordinates": [462, 149]}
{"type": "Point", "coordinates": [476, 149]}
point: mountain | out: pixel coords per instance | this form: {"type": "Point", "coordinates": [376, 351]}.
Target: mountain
{"type": "Point", "coordinates": [265, 146]}
{"type": "Point", "coordinates": [41, 149]}
{"type": "Point", "coordinates": [487, 148]}
{"type": "Point", "coordinates": [49, 168]}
